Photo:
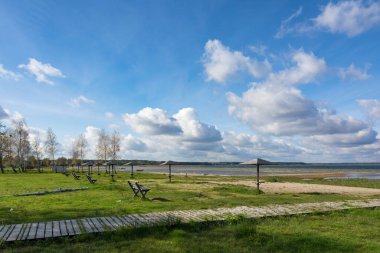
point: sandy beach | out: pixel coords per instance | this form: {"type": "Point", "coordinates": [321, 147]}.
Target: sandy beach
{"type": "Point", "coordinates": [289, 187]}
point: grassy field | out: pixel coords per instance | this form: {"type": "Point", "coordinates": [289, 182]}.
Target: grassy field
{"type": "Point", "coordinates": [348, 231]}
{"type": "Point", "coordinates": [116, 198]}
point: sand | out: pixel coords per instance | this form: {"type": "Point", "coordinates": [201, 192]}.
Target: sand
{"type": "Point", "coordinates": [288, 187]}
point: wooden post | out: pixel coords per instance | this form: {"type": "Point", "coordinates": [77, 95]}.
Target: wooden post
{"type": "Point", "coordinates": [131, 170]}
{"type": "Point", "coordinates": [170, 173]}
{"type": "Point", "coordinates": [258, 178]}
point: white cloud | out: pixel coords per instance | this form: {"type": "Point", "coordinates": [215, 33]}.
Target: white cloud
{"type": "Point", "coordinates": [307, 68]}
{"type": "Point", "coordinates": [193, 129]}
{"type": "Point", "coordinates": [277, 107]}
{"type": "Point", "coordinates": [131, 143]}
{"type": "Point", "coordinates": [345, 17]}
{"type": "Point", "coordinates": [220, 63]}
{"type": "Point", "coordinates": [78, 101]}
{"type": "Point", "coordinates": [352, 72]}
{"type": "Point", "coordinates": [362, 137]}
{"type": "Point", "coordinates": [184, 125]}
{"type": "Point", "coordinates": [152, 121]}
{"type": "Point", "coordinates": [41, 71]}
{"type": "Point", "coordinates": [349, 17]}
{"type": "Point", "coordinates": [372, 106]}
{"type": "Point", "coordinates": [7, 74]}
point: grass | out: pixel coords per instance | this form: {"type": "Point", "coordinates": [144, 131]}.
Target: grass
{"type": "Point", "coordinates": [115, 198]}
{"type": "Point", "coordinates": [347, 231]}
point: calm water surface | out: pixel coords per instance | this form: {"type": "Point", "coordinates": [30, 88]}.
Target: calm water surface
{"type": "Point", "coordinates": [372, 171]}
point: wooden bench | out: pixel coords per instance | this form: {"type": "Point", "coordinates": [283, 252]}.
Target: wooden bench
{"type": "Point", "coordinates": [66, 173]}
{"type": "Point", "coordinates": [143, 190]}
{"type": "Point", "coordinates": [91, 180]}
{"type": "Point", "coordinates": [134, 189]}
{"type": "Point", "coordinates": [75, 175]}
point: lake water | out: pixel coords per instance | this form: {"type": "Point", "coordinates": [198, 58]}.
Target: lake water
{"type": "Point", "coordinates": [372, 171]}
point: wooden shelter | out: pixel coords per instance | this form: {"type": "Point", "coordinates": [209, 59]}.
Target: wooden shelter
{"type": "Point", "coordinates": [111, 168]}
{"type": "Point", "coordinates": [257, 162]}
{"type": "Point", "coordinates": [131, 164]}
{"type": "Point", "coordinates": [89, 165]}
{"type": "Point", "coordinates": [169, 163]}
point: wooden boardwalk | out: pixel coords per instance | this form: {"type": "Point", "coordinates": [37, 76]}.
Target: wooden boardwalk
{"type": "Point", "coordinates": [49, 229]}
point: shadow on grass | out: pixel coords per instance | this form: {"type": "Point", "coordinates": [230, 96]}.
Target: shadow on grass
{"type": "Point", "coordinates": [159, 199]}
{"type": "Point", "coordinates": [229, 236]}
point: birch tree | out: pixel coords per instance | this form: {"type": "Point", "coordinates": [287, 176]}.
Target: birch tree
{"type": "Point", "coordinates": [114, 145]}
{"type": "Point", "coordinates": [51, 144]}
{"type": "Point", "coordinates": [21, 142]}
{"type": "Point", "coordinates": [81, 146]}
{"type": "Point", "coordinates": [37, 150]}
{"type": "Point", "coordinates": [103, 145]}
{"type": "Point", "coordinates": [3, 145]}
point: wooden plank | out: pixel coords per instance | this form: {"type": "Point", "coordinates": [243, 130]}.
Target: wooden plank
{"type": "Point", "coordinates": [114, 224]}
{"type": "Point", "coordinates": [117, 221]}
{"type": "Point", "coordinates": [25, 232]}
{"type": "Point", "coordinates": [62, 227]}
{"type": "Point", "coordinates": [86, 226]}
{"type": "Point", "coordinates": [3, 231]}
{"type": "Point", "coordinates": [137, 222]}
{"type": "Point", "coordinates": [49, 229]}
{"type": "Point", "coordinates": [98, 224]}
{"type": "Point", "coordinates": [40, 230]}
{"type": "Point", "coordinates": [92, 225]}
{"type": "Point", "coordinates": [130, 222]}
{"type": "Point", "coordinates": [56, 229]}
{"type": "Point", "coordinates": [75, 227]}
{"type": "Point", "coordinates": [94, 228]}
{"type": "Point", "coordinates": [15, 232]}
{"type": "Point", "coordinates": [32, 231]}
{"type": "Point", "coordinates": [69, 228]}
{"type": "Point", "coordinates": [107, 223]}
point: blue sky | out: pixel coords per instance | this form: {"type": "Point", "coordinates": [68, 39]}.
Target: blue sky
{"type": "Point", "coordinates": [197, 80]}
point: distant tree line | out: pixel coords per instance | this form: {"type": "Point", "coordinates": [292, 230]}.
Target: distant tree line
{"type": "Point", "coordinates": [20, 152]}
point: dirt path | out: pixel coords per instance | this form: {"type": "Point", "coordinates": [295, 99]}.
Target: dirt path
{"type": "Point", "coordinates": [307, 188]}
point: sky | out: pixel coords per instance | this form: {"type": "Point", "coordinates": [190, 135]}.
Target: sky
{"type": "Point", "coordinates": [197, 80]}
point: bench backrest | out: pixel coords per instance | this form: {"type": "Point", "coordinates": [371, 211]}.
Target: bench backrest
{"type": "Point", "coordinates": [134, 189]}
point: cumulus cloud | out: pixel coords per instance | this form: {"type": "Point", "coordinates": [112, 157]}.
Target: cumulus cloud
{"type": "Point", "coordinates": [220, 63]}
{"type": "Point", "coordinates": [41, 71]}
{"type": "Point", "coordinates": [276, 106]}
{"type": "Point", "coordinates": [132, 143]}
{"type": "Point", "coordinates": [7, 74]}
{"type": "Point", "coordinates": [345, 17]}
{"type": "Point", "coordinates": [352, 72]}
{"type": "Point", "coordinates": [372, 106]}
{"type": "Point", "coordinates": [80, 100]}
{"type": "Point", "coordinates": [349, 17]}
{"type": "Point", "coordinates": [362, 137]}
{"type": "Point", "coordinates": [193, 129]}
{"type": "Point", "coordinates": [152, 121]}
{"type": "Point", "coordinates": [184, 125]}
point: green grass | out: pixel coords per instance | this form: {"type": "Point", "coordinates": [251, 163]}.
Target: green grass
{"type": "Point", "coordinates": [348, 231]}
{"type": "Point", "coordinates": [115, 198]}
